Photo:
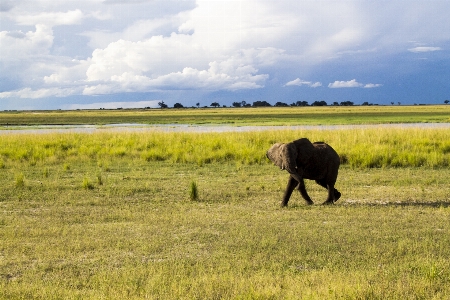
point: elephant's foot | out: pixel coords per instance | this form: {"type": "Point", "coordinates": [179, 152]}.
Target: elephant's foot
{"type": "Point", "coordinates": [337, 195]}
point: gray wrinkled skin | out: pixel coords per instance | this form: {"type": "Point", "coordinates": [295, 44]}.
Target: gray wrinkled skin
{"type": "Point", "coordinates": [305, 160]}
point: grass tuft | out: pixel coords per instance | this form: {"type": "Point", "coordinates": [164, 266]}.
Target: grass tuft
{"type": "Point", "coordinates": [20, 180]}
{"type": "Point", "coordinates": [87, 184]}
{"type": "Point", "coordinates": [193, 191]}
{"type": "Point", "coordinates": [46, 172]}
{"type": "Point", "coordinates": [99, 179]}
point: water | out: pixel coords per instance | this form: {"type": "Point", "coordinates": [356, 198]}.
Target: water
{"type": "Point", "coordinates": [195, 128]}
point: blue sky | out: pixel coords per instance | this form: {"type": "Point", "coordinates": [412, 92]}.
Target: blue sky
{"type": "Point", "coordinates": [116, 53]}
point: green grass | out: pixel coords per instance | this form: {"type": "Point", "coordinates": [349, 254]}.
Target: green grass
{"type": "Point", "coordinates": [133, 232]}
{"type": "Point", "coordinates": [330, 115]}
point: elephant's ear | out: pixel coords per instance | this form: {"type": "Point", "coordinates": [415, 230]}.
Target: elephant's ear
{"type": "Point", "coordinates": [305, 150]}
{"type": "Point", "coordinates": [290, 154]}
{"type": "Point", "coordinates": [275, 154]}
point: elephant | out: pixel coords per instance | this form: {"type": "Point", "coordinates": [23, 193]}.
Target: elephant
{"type": "Point", "coordinates": [302, 159]}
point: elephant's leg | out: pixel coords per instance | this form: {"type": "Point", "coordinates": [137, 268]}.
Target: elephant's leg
{"type": "Point", "coordinates": [330, 198]}
{"type": "Point", "coordinates": [292, 183]}
{"type": "Point", "coordinates": [336, 193]}
{"type": "Point", "coordinates": [302, 189]}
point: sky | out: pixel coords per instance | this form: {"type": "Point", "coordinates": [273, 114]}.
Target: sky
{"type": "Point", "coordinates": [89, 54]}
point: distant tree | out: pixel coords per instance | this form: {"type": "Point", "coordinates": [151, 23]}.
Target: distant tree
{"type": "Point", "coordinates": [244, 103]}
{"type": "Point", "coordinates": [237, 104]}
{"type": "Point", "coordinates": [346, 103]}
{"type": "Point", "coordinates": [392, 103]}
{"type": "Point", "coordinates": [261, 103]}
{"type": "Point", "coordinates": [162, 104]}
{"type": "Point", "coordinates": [365, 103]}
{"type": "Point", "coordinates": [302, 103]}
{"type": "Point", "coordinates": [178, 105]}
{"type": "Point", "coordinates": [197, 104]}
{"type": "Point", "coordinates": [215, 104]}
{"type": "Point", "coordinates": [399, 103]}
{"type": "Point", "coordinates": [336, 103]}
{"type": "Point", "coordinates": [319, 103]}
{"type": "Point", "coordinates": [446, 101]}
{"type": "Point", "coordinates": [282, 104]}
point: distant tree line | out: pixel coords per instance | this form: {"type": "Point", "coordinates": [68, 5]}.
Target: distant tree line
{"type": "Point", "coordinates": [277, 104]}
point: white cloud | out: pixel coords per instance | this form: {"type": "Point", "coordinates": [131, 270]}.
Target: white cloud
{"type": "Point", "coordinates": [424, 49]}
{"type": "Point", "coordinates": [23, 45]}
{"type": "Point", "coordinates": [372, 85]}
{"type": "Point", "coordinates": [300, 82]}
{"type": "Point", "coordinates": [50, 18]}
{"type": "Point", "coordinates": [352, 84]}
{"type": "Point", "coordinates": [28, 93]}
{"type": "Point", "coordinates": [139, 30]}
{"type": "Point", "coordinates": [345, 84]}
{"type": "Point", "coordinates": [231, 74]}
{"type": "Point", "coordinates": [67, 73]}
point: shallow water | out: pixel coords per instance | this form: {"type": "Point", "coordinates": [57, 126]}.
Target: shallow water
{"type": "Point", "coordinates": [194, 128]}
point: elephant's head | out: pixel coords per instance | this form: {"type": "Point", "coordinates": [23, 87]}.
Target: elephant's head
{"type": "Point", "coordinates": [291, 155]}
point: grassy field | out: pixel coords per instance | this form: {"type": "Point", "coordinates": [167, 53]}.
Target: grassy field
{"type": "Point", "coordinates": [330, 115]}
{"type": "Point", "coordinates": [109, 216]}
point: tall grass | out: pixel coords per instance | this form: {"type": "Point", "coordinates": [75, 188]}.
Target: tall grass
{"type": "Point", "coordinates": [358, 148]}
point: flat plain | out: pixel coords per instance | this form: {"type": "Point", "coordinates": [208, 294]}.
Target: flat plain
{"type": "Point", "coordinates": [109, 216]}
{"type": "Point", "coordinates": [329, 115]}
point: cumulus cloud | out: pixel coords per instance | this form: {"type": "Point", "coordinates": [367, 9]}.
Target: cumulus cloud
{"type": "Point", "coordinates": [352, 84]}
{"type": "Point", "coordinates": [345, 84]}
{"type": "Point", "coordinates": [23, 45]}
{"type": "Point", "coordinates": [230, 74]}
{"type": "Point", "coordinates": [424, 49]}
{"type": "Point", "coordinates": [300, 82]}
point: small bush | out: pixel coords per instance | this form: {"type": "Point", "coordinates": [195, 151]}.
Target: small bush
{"type": "Point", "coordinates": [193, 191]}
